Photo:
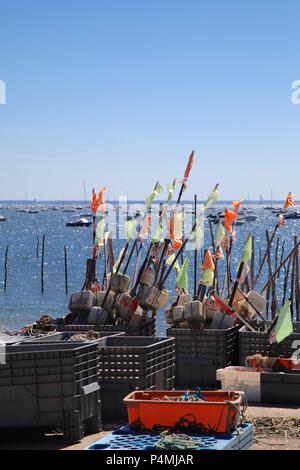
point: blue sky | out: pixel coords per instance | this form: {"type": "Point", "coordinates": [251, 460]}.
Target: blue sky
{"type": "Point", "coordinates": [118, 92]}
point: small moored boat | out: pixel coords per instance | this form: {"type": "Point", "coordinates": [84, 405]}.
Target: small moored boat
{"type": "Point", "coordinates": [83, 222]}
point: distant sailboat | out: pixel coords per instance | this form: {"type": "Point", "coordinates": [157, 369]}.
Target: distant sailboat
{"type": "Point", "coordinates": [270, 208]}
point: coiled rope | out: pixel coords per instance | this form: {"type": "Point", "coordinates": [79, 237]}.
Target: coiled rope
{"type": "Point", "coordinates": [169, 441]}
{"type": "Point", "coordinates": [275, 428]}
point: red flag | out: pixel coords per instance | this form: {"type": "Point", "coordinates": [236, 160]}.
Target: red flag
{"type": "Point", "coordinates": [224, 308]}
{"type": "Point", "coordinates": [188, 170]}
{"type": "Point", "coordinates": [189, 165]}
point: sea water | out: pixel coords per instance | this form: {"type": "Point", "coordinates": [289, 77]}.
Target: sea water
{"type": "Point", "coordinates": [23, 302]}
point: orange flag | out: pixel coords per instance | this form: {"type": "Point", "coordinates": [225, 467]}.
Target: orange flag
{"type": "Point", "coordinates": [97, 201]}
{"type": "Point", "coordinates": [236, 205]}
{"type": "Point", "coordinates": [102, 200]}
{"type": "Point", "coordinates": [289, 202]}
{"type": "Point", "coordinates": [94, 202]}
{"type": "Point", "coordinates": [177, 244]}
{"type": "Point", "coordinates": [229, 218]}
{"type": "Point", "coordinates": [208, 262]}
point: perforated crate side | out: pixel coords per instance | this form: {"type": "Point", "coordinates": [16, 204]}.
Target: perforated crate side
{"type": "Point", "coordinates": [251, 343]}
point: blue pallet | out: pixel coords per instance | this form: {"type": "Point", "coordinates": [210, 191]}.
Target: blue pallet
{"type": "Point", "coordinates": [125, 439]}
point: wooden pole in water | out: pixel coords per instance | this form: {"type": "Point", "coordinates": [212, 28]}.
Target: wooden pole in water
{"type": "Point", "coordinates": [37, 246]}
{"type": "Point", "coordinates": [276, 253]}
{"type": "Point", "coordinates": [42, 264]}
{"type": "Point", "coordinates": [5, 268]}
{"type": "Point", "coordinates": [66, 269]}
{"type": "Point", "coordinates": [282, 254]}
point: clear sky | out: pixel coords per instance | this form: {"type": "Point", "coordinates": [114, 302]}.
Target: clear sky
{"type": "Point", "coordinates": [118, 92]}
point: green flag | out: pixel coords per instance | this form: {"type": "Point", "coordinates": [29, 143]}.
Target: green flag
{"type": "Point", "coordinates": [247, 250]}
{"type": "Point", "coordinates": [212, 198]}
{"type": "Point", "coordinates": [130, 227]}
{"type": "Point", "coordinates": [100, 232]}
{"type": "Point", "coordinates": [196, 237]}
{"type": "Point", "coordinates": [118, 260]}
{"type": "Point", "coordinates": [157, 190]}
{"type": "Point", "coordinates": [170, 260]}
{"type": "Point", "coordinates": [182, 276]}
{"type": "Point", "coordinates": [207, 278]}
{"type": "Point", "coordinates": [158, 235]}
{"type": "Point", "coordinates": [220, 234]}
{"type": "Point", "coordinates": [171, 189]}
{"type": "Point", "coordinates": [284, 326]}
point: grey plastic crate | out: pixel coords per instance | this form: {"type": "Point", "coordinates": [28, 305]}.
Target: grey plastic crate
{"type": "Point", "coordinates": [148, 328]}
{"type": "Point", "coordinates": [258, 342]}
{"type": "Point", "coordinates": [128, 363]}
{"type": "Point", "coordinates": [65, 336]}
{"type": "Point", "coordinates": [51, 385]}
{"type": "Point", "coordinates": [199, 353]}
{"type": "Point", "coordinates": [280, 388]}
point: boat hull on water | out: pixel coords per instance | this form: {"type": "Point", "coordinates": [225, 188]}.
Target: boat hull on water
{"type": "Point", "coordinates": [79, 223]}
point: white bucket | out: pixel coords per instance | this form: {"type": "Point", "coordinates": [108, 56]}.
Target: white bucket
{"type": "Point", "coordinates": [245, 379]}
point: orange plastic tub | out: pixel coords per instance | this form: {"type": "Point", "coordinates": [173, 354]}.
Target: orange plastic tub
{"type": "Point", "coordinates": [153, 411]}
